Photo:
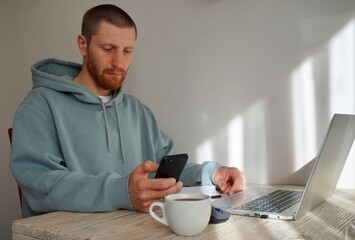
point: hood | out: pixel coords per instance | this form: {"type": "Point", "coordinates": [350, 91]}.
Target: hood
{"type": "Point", "coordinates": [58, 75]}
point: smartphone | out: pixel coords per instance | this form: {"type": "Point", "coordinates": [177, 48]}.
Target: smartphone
{"type": "Point", "coordinates": [172, 166]}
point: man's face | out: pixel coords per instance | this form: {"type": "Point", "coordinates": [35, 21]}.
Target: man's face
{"type": "Point", "coordinates": [109, 55]}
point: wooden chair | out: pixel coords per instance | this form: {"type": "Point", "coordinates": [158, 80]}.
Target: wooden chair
{"type": "Point", "coordinates": [9, 131]}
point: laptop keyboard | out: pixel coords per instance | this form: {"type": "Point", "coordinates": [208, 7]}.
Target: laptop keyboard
{"type": "Point", "coordinates": [276, 201]}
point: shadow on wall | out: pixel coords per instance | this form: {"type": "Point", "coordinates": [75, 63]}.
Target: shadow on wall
{"type": "Point", "coordinates": [321, 85]}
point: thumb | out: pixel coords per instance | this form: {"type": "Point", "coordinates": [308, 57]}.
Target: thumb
{"type": "Point", "coordinates": [149, 166]}
{"type": "Point", "coordinates": [222, 185]}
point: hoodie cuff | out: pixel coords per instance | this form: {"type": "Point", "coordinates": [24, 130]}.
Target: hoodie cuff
{"type": "Point", "coordinates": [118, 195]}
{"type": "Point", "coordinates": [207, 172]}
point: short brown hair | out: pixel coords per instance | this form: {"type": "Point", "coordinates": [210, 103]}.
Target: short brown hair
{"type": "Point", "coordinates": [106, 12]}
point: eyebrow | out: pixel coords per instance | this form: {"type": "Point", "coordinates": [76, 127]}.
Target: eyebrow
{"type": "Point", "coordinates": [113, 45]}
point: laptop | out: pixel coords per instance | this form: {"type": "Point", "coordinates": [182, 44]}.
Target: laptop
{"type": "Point", "coordinates": [293, 204]}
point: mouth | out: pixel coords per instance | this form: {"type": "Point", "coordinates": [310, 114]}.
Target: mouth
{"type": "Point", "coordinates": [115, 73]}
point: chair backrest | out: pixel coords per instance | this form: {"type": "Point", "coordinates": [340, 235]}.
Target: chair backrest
{"type": "Point", "coordinates": [9, 131]}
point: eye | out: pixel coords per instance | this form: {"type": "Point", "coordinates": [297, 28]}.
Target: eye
{"type": "Point", "coordinates": [108, 49]}
{"type": "Point", "coordinates": [128, 51]}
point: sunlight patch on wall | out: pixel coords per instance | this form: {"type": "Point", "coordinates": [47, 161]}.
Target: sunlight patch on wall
{"type": "Point", "coordinates": [304, 122]}
{"type": "Point", "coordinates": [340, 96]}
{"type": "Point", "coordinates": [236, 143]}
{"type": "Point", "coordinates": [241, 143]}
{"type": "Point", "coordinates": [342, 87]}
{"type": "Point", "coordinates": [341, 61]}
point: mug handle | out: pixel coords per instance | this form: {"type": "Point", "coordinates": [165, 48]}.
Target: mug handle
{"type": "Point", "coordinates": [156, 217]}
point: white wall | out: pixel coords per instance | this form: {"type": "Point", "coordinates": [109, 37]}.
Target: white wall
{"type": "Point", "coordinates": [248, 83]}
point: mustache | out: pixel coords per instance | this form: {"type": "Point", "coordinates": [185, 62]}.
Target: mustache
{"type": "Point", "coordinates": [115, 70]}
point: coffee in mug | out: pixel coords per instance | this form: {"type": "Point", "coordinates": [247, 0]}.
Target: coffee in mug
{"type": "Point", "coordinates": [187, 214]}
{"type": "Point", "coordinates": [188, 199]}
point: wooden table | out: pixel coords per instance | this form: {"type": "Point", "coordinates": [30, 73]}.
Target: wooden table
{"type": "Point", "coordinates": [327, 221]}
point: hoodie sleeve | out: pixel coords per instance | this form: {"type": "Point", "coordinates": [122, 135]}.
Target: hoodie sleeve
{"type": "Point", "coordinates": [196, 174]}
{"type": "Point", "coordinates": [40, 170]}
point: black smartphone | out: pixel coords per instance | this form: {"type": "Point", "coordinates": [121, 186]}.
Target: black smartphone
{"type": "Point", "coordinates": [172, 166]}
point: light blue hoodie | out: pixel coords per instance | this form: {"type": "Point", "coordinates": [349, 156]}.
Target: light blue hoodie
{"type": "Point", "coordinates": [72, 152]}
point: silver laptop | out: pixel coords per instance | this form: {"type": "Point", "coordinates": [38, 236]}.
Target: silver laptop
{"type": "Point", "coordinates": [293, 204]}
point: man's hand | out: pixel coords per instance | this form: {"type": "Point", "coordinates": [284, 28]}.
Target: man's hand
{"type": "Point", "coordinates": [229, 179]}
{"type": "Point", "coordinates": [144, 191]}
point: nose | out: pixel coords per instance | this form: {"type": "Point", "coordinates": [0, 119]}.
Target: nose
{"type": "Point", "coordinates": [118, 60]}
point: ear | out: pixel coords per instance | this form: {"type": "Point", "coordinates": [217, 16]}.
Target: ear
{"type": "Point", "coordinates": [82, 44]}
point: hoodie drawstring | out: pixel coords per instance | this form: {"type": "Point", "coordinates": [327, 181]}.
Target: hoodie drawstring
{"type": "Point", "coordinates": [106, 126]}
{"type": "Point", "coordinates": [119, 132]}
{"type": "Point", "coordinates": [118, 129]}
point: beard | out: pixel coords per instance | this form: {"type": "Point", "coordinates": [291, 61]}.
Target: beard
{"type": "Point", "coordinates": [106, 80]}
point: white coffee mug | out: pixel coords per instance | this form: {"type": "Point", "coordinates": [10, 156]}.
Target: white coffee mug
{"type": "Point", "coordinates": [187, 214]}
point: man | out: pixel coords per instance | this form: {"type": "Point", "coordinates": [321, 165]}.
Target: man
{"type": "Point", "coordinates": [81, 144]}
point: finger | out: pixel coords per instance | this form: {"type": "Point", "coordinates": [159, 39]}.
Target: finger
{"type": "Point", "coordinates": [157, 184]}
{"type": "Point", "coordinates": [223, 186]}
{"type": "Point", "coordinates": [144, 199]}
{"type": "Point", "coordinates": [159, 194]}
{"type": "Point", "coordinates": [144, 207]}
